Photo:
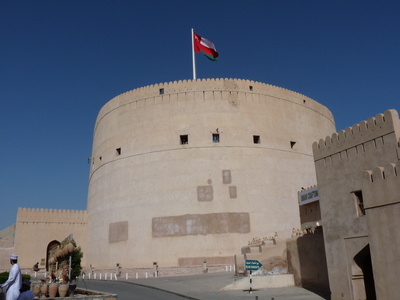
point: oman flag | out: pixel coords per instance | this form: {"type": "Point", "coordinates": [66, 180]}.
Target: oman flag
{"type": "Point", "coordinates": [203, 45]}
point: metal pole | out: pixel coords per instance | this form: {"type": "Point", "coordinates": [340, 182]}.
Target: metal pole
{"type": "Point", "coordinates": [235, 265]}
{"type": "Point", "coordinates": [251, 282]}
{"type": "Point", "coordinates": [193, 57]}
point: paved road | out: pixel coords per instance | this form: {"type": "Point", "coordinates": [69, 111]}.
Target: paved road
{"type": "Point", "coordinates": [128, 290]}
{"type": "Point", "coordinates": [204, 286]}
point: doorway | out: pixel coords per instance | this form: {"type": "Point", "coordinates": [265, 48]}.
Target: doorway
{"type": "Point", "coordinates": [363, 275]}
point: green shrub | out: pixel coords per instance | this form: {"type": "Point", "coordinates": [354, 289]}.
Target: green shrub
{"type": "Point", "coordinates": [26, 276]}
{"type": "Point", "coordinates": [4, 277]}
{"type": "Point", "coordinates": [76, 267]}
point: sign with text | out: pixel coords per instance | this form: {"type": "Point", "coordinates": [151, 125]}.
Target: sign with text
{"type": "Point", "coordinates": [252, 265]}
{"type": "Point", "coordinates": [308, 196]}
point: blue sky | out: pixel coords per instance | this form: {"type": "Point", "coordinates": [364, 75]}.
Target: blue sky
{"type": "Point", "coordinates": [61, 61]}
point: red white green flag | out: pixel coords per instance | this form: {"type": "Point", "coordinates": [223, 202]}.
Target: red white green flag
{"type": "Point", "coordinates": [204, 46]}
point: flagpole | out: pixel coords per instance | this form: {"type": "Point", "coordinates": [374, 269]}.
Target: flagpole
{"type": "Point", "coordinates": [193, 57]}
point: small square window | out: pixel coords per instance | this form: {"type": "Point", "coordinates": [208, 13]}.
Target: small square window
{"type": "Point", "coordinates": [250, 87]}
{"type": "Point", "coordinates": [118, 151]}
{"type": "Point", "coordinates": [215, 137]}
{"type": "Point", "coordinates": [292, 143]}
{"type": "Point", "coordinates": [184, 139]}
{"type": "Point", "coordinates": [256, 139]}
{"type": "Point", "coordinates": [162, 91]}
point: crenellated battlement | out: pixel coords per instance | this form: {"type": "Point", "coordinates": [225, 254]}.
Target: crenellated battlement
{"type": "Point", "coordinates": [165, 91]}
{"type": "Point", "coordinates": [45, 215]}
{"type": "Point", "coordinates": [387, 172]}
{"type": "Point", "coordinates": [381, 186]}
{"type": "Point", "coordinates": [372, 131]}
{"type": "Point", "coordinates": [201, 84]}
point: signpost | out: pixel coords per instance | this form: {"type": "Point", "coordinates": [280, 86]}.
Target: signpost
{"type": "Point", "coordinates": [251, 265]}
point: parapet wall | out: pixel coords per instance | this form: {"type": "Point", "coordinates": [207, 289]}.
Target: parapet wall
{"type": "Point", "coordinates": [40, 215]}
{"type": "Point", "coordinates": [382, 173]}
{"type": "Point", "coordinates": [200, 89]}
{"type": "Point", "coordinates": [382, 185]}
{"type": "Point", "coordinates": [360, 138]}
{"type": "Point", "coordinates": [381, 195]}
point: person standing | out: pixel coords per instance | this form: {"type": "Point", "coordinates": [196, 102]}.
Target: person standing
{"type": "Point", "coordinates": [14, 281]}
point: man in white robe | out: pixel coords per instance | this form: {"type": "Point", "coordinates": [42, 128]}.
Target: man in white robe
{"type": "Point", "coordinates": [14, 281]}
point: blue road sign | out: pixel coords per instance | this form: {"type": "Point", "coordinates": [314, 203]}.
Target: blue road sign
{"type": "Point", "coordinates": [252, 265]}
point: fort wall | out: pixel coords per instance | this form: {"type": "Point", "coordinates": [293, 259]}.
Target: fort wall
{"type": "Point", "coordinates": [197, 168]}
{"type": "Point", "coordinates": [381, 192]}
{"type": "Point", "coordinates": [341, 160]}
{"type": "Point", "coordinates": [210, 88]}
{"type": "Point", "coordinates": [375, 134]}
{"type": "Point", "coordinates": [37, 227]}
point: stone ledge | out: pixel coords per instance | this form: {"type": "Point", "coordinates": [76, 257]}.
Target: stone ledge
{"type": "Point", "coordinates": [262, 282]}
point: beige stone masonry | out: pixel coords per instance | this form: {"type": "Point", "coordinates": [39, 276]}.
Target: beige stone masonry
{"type": "Point", "coordinates": [368, 135]}
{"type": "Point", "coordinates": [162, 189]}
{"type": "Point", "coordinates": [37, 227]}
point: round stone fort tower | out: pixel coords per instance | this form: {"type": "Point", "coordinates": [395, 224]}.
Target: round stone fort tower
{"type": "Point", "coordinates": [192, 170]}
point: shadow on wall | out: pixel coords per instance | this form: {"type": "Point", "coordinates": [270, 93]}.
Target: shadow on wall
{"type": "Point", "coordinates": [363, 288]}
{"type": "Point", "coordinates": [307, 261]}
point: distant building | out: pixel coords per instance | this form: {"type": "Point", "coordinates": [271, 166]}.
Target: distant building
{"type": "Point", "coordinates": [358, 173]}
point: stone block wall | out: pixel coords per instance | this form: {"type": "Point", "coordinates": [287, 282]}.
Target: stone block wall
{"type": "Point", "coordinates": [188, 170]}
{"type": "Point", "coordinates": [341, 160]}
{"type": "Point", "coordinates": [36, 228]}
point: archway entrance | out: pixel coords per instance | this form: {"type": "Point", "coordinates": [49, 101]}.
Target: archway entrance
{"type": "Point", "coordinates": [50, 246]}
{"type": "Point", "coordinates": [363, 276]}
